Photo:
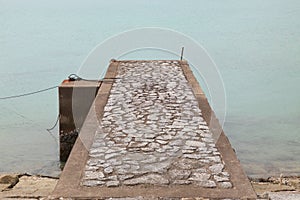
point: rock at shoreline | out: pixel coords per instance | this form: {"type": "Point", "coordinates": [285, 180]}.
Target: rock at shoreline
{"type": "Point", "coordinates": [8, 181]}
{"type": "Point", "coordinates": [24, 185]}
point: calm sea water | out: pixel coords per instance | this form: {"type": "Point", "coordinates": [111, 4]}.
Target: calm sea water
{"type": "Point", "coordinates": [255, 43]}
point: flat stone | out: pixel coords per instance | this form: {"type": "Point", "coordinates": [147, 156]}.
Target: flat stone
{"type": "Point", "coordinates": [164, 137]}
{"type": "Point", "coordinates": [91, 168]}
{"type": "Point", "coordinates": [149, 136]}
{"type": "Point", "coordinates": [187, 164]}
{"type": "Point", "coordinates": [187, 151]}
{"type": "Point", "coordinates": [114, 162]}
{"type": "Point", "coordinates": [149, 159]}
{"type": "Point", "coordinates": [93, 183]}
{"type": "Point", "coordinates": [153, 117]}
{"type": "Point", "coordinates": [147, 149]}
{"type": "Point", "coordinates": [93, 175]}
{"type": "Point", "coordinates": [182, 182]}
{"type": "Point", "coordinates": [111, 155]}
{"type": "Point", "coordinates": [114, 150]}
{"type": "Point", "coordinates": [152, 179]}
{"type": "Point", "coordinates": [141, 139]}
{"type": "Point", "coordinates": [194, 143]}
{"type": "Point", "coordinates": [112, 178]}
{"type": "Point", "coordinates": [108, 170]}
{"type": "Point", "coordinates": [192, 156]}
{"type": "Point", "coordinates": [162, 142]}
{"type": "Point", "coordinates": [225, 185]}
{"type": "Point", "coordinates": [207, 140]}
{"type": "Point", "coordinates": [284, 195]}
{"type": "Point", "coordinates": [112, 183]}
{"type": "Point", "coordinates": [154, 145]}
{"type": "Point", "coordinates": [129, 131]}
{"type": "Point", "coordinates": [207, 184]}
{"type": "Point", "coordinates": [176, 143]}
{"type": "Point", "coordinates": [97, 150]}
{"type": "Point", "coordinates": [137, 144]}
{"type": "Point", "coordinates": [225, 174]}
{"type": "Point", "coordinates": [125, 177]}
{"type": "Point", "coordinates": [199, 177]}
{"type": "Point", "coordinates": [161, 167]}
{"type": "Point", "coordinates": [215, 159]}
{"type": "Point", "coordinates": [220, 178]}
{"type": "Point", "coordinates": [203, 127]}
{"type": "Point", "coordinates": [217, 168]}
{"type": "Point", "coordinates": [179, 174]}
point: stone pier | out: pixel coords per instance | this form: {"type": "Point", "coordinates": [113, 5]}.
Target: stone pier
{"type": "Point", "coordinates": [151, 134]}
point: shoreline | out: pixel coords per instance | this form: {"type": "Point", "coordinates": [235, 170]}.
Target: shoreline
{"type": "Point", "coordinates": [24, 186]}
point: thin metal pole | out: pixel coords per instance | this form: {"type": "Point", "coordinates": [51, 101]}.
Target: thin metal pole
{"type": "Point", "coordinates": [182, 49]}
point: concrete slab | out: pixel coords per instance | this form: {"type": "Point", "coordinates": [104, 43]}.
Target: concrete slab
{"type": "Point", "coordinates": [152, 134]}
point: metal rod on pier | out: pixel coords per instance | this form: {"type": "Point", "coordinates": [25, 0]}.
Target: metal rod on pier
{"type": "Point", "coordinates": [182, 49]}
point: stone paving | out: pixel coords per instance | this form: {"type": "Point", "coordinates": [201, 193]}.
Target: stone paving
{"type": "Point", "coordinates": [152, 133]}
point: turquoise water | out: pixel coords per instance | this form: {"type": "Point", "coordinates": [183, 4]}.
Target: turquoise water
{"type": "Point", "coordinates": [256, 45]}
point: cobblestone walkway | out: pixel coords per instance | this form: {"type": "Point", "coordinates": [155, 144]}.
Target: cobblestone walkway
{"type": "Point", "coordinates": [153, 133]}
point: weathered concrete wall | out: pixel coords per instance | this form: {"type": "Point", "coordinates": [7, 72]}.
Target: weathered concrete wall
{"type": "Point", "coordinates": [75, 100]}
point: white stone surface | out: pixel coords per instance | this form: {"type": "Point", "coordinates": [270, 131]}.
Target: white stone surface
{"type": "Point", "coordinates": [153, 132]}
